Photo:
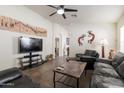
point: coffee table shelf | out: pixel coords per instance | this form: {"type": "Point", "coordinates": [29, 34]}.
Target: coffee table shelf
{"type": "Point", "coordinates": [72, 69]}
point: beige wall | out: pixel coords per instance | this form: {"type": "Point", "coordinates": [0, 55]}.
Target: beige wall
{"type": "Point", "coordinates": [102, 31]}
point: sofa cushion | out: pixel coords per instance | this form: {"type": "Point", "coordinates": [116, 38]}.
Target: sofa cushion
{"type": "Point", "coordinates": [108, 72]}
{"type": "Point", "coordinates": [23, 82]}
{"type": "Point", "coordinates": [90, 53]}
{"type": "Point", "coordinates": [103, 81]}
{"type": "Point", "coordinates": [9, 75]}
{"type": "Point", "coordinates": [117, 59]}
{"type": "Point", "coordinates": [109, 85]}
{"type": "Point", "coordinates": [102, 65]}
{"type": "Point", "coordinates": [120, 69]}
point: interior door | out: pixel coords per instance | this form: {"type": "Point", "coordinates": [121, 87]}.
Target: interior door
{"type": "Point", "coordinates": [57, 47]}
{"type": "Point", "coordinates": [67, 43]}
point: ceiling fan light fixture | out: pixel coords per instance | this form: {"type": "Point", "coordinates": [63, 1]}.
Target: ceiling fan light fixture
{"type": "Point", "coordinates": [60, 11]}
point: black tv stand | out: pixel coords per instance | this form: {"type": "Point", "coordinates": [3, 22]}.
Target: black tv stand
{"type": "Point", "coordinates": [30, 56]}
{"type": "Point", "coordinates": [30, 59]}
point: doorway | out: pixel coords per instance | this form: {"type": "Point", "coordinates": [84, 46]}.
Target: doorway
{"type": "Point", "coordinates": [67, 44]}
{"type": "Point", "coordinates": [57, 43]}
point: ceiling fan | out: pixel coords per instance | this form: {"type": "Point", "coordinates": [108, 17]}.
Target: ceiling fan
{"type": "Point", "coordinates": [61, 10]}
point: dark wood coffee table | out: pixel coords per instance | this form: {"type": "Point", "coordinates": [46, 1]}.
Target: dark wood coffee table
{"type": "Point", "coordinates": [72, 69]}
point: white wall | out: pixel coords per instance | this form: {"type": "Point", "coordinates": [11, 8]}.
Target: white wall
{"type": "Point", "coordinates": [102, 31]}
{"type": "Point", "coordinates": [9, 42]}
{"type": "Point", "coordinates": [120, 25]}
{"type": "Point", "coordinates": [62, 34]}
{"type": "Point", "coordinates": [121, 49]}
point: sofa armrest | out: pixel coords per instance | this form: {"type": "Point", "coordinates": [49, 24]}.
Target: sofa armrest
{"type": "Point", "coordinates": [9, 75]}
{"type": "Point", "coordinates": [103, 60]}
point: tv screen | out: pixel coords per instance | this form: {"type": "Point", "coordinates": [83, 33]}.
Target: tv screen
{"type": "Point", "coordinates": [30, 44]}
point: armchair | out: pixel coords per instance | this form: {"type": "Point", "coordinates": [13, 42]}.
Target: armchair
{"type": "Point", "coordinates": [90, 57]}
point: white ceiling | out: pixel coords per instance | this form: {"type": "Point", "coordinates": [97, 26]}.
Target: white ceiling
{"type": "Point", "coordinates": [85, 14]}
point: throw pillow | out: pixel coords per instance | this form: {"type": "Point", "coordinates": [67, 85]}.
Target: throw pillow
{"type": "Point", "coordinates": [120, 69]}
{"type": "Point", "coordinates": [117, 60]}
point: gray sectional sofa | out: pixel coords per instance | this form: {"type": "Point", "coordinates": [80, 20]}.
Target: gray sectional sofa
{"type": "Point", "coordinates": [109, 73]}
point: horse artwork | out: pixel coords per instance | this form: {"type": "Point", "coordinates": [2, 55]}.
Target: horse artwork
{"type": "Point", "coordinates": [92, 37]}
{"type": "Point", "coordinates": [80, 39]}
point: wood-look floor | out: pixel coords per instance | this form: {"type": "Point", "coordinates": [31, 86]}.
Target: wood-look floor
{"type": "Point", "coordinates": [43, 74]}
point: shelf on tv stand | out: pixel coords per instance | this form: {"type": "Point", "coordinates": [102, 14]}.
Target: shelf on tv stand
{"type": "Point", "coordinates": [30, 61]}
{"type": "Point", "coordinates": [28, 56]}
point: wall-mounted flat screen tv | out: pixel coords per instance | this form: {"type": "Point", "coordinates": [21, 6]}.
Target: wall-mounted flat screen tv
{"type": "Point", "coordinates": [27, 44]}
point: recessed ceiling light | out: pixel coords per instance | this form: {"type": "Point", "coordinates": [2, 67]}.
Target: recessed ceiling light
{"type": "Point", "coordinates": [60, 11]}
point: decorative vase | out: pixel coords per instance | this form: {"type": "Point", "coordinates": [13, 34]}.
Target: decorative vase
{"type": "Point", "coordinates": [111, 54]}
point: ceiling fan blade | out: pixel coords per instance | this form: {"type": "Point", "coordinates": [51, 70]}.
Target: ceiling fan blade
{"type": "Point", "coordinates": [52, 6]}
{"type": "Point", "coordinates": [52, 13]}
{"type": "Point", "coordinates": [64, 16]}
{"type": "Point", "coordinates": [70, 10]}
